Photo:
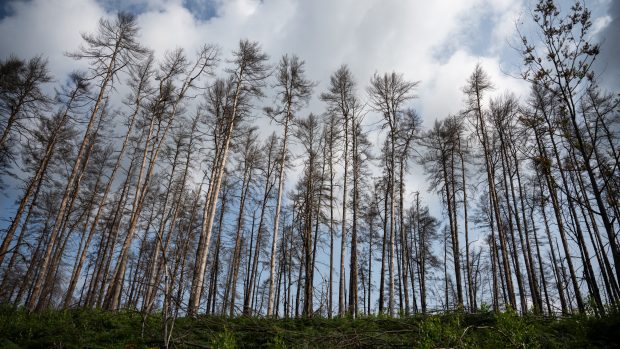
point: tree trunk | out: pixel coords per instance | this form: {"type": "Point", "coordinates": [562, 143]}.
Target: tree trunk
{"type": "Point", "coordinates": [276, 223]}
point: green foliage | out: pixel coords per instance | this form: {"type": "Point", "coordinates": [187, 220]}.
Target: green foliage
{"type": "Point", "coordinates": [278, 341]}
{"type": "Point", "coordinates": [485, 329]}
{"type": "Point", "coordinates": [74, 329]}
{"type": "Point", "coordinates": [224, 340]}
{"type": "Point", "coordinates": [515, 331]}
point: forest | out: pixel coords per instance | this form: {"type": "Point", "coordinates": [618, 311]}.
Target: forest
{"type": "Point", "coordinates": [151, 187]}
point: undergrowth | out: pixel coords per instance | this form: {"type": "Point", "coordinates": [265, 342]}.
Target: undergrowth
{"type": "Point", "coordinates": [82, 328]}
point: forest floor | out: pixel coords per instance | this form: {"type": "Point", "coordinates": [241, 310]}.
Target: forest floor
{"type": "Point", "coordinates": [126, 329]}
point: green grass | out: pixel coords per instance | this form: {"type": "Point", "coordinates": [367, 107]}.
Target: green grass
{"type": "Point", "coordinates": [100, 329]}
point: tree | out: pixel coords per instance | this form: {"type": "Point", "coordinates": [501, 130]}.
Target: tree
{"type": "Point", "coordinates": [408, 130]}
{"type": "Point", "coordinates": [340, 98]}
{"type": "Point", "coordinates": [308, 196]}
{"type": "Point", "coordinates": [229, 103]}
{"type": "Point", "coordinates": [504, 117]}
{"type": "Point", "coordinates": [441, 143]}
{"type": "Point", "coordinates": [424, 231]}
{"type": "Point", "coordinates": [112, 49]}
{"type": "Point", "coordinates": [387, 95]}
{"type": "Point", "coordinates": [165, 108]}
{"type": "Point", "coordinates": [561, 64]}
{"type": "Point", "coordinates": [293, 91]}
{"type": "Point", "coordinates": [21, 98]}
{"type": "Point", "coordinates": [270, 156]}
{"type": "Point", "coordinates": [477, 86]}
{"type": "Point", "coordinates": [49, 134]}
{"type": "Point", "coordinates": [360, 149]}
{"type": "Point", "coordinates": [139, 81]}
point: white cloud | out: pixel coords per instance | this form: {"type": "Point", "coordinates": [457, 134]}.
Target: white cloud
{"type": "Point", "coordinates": [170, 28]}
{"type": "Point", "coordinates": [369, 35]}
{"type": "Point", "coordinates": [600, 24]}
{"type": "Point", "coordinates": [50, 28]}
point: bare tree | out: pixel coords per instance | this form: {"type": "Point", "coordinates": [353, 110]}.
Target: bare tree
{"type": "Point", "coordinates": [165, 109]}
{"type": "Point", "coordinates": [51, 132]}
{"type": "Point", "coordinates": [477, 86]}
{"type": "Point", "coordinates": [308, 195]}
{"type": "Point", "coordinates": [408, 130]}
{"type": "Point", "coordinates": [270, 155]}
{"type": "Point", "coordinates": [21, 99]}
{"type": "Point", "coordinates": [340, 99]}
{"type": "Point", "coordinates": [293, 91]}
{"type": "Point", "coordinates": [139, 81]}
{"type": "Point", "coordinates": [112, 49]}
{"type": "Point", "coordinates": [332, 136]}
{"type": "Point", "coordinates": [360, 149]}
{"type": "Point", "coordinates": [233, 97]}
{"type": "Point", "coordinates": [561, 64]}
{"type": "Point", "coordinates": [387, 95]}
{"type": "Point", "coordinates": [441, 143]}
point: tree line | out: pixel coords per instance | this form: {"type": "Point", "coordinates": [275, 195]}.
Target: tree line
{"type": "Point", "coordinates": [168, 197]}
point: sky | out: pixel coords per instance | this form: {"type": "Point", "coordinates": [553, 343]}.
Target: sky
{"type": "Point", "coordinates": [437, 43]}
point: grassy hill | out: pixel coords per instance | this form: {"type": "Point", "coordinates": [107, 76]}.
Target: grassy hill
{"type": "Point", "coordinates": [99, 329]}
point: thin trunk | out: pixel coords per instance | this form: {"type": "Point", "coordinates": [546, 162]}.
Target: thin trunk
{"type": "Point", "coordinates": [383, 251]}
{"type": "Point", "coordinates": [472, 294]}
{"type": "Point", "coordinates": [455, 233]}
{"type": "Point", "coordinates": [82, 250]}
{"type": "Point", "coordinates": [330, 293]}
{"type": "Point", "coordinates": [343, 230]}
{"type": "Point", "coordinates": [247, 309]}
{"type": "Point", "coordinates": [551, 185]}
{"type": "Point", "coordinates": [403, 240]}
{"type": "Point", "coordinates": [392, 185]}
{"type": "Point", "coordinates": [506, 177]}
{"type": "Point", "coordinates": [490, 169]}
{"type": "Point", "coordinates": [245, 186]}
{"type": "Point", "coordinates": [353, 267]}
{"type": "Point", "coordinates": [276, 223]}
{"type": "Point", "coordinates": [554, 259]}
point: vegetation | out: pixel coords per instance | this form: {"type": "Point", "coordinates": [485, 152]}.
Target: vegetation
{"type": "Point", "coordinates": [126, 329]}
